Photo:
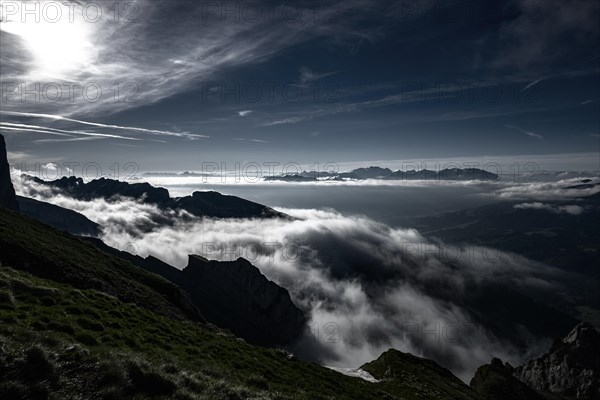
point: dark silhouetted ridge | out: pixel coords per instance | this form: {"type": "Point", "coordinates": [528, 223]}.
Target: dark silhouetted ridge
{"type": "Point", "coordinates": [58, 217]}
{"type": "Point", "coordinates": [201, 204]}
{"type": "Point", "coordinates": [8, 198]}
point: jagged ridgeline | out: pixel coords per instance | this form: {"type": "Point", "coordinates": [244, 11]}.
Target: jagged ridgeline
{"type": "Point", "coordinates": [446, 174]}
{"type": "Point", "coordinates": [200, 204]}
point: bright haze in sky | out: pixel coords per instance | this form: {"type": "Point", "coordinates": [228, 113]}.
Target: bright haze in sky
{"type": "Point", "coordinates": [168, 85]}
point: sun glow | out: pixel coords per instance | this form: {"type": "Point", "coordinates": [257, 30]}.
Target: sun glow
{"type": "Point", "coordinates": [58, 40]}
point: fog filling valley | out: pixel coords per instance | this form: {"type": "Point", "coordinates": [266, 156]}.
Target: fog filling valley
{"type": "Point", "coordinates": [365, 285]}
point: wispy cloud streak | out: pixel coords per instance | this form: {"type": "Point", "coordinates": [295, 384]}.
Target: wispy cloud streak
{"type": "Point", "coordinates": [186, 135]}
{"type": "Point", "coordinates": [251, 140]}
{"type": "Point", "coordinates": [532, 84]}
{"type": "Point", "coordinates": [528, 133]}
{"type": "Point", "coordinates": [37, 128]}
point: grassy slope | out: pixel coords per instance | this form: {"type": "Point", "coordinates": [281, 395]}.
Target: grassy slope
{"type": "Point", "coordinates": [44, 251]}
{"type": "Point", "coordinates": [78, 323]}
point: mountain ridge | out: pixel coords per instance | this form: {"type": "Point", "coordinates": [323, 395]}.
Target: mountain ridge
{"type": "Point", "coordinates": [378, 173]}
{"type": "Point", "coordinates": [201, 204]}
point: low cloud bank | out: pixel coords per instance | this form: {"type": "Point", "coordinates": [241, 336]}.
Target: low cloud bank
{"type": "Point", "coordinates": [564, 209]}
{"type": "Point", "coordinates": [563, 189]}
{"type": "Point", "coordinates": [366, 286]}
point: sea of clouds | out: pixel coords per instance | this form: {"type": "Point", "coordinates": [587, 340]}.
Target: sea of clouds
{"type": "Point", "coordinates": [365, 285]}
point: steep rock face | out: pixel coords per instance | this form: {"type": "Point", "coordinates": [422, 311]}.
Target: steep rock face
{"type": "Point", "coordinates": [571, 367]}
{"type": "Point", "coordinates": [58, 217]}
{"type": "Point", "coordinates": [496, 382]}
{"type": "Point", "coordinates": [7, 191]}
{"type": "Point", "coordinates": [237, 296]}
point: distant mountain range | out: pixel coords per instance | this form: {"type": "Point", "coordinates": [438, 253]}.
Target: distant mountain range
{"type": "Point", "coordinates": [448, 174]}
{"type": "Point", "coordinates": [176, 174]}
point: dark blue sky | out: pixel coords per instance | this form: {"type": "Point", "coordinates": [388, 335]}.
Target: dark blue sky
{"type": "Point", "coordinates": [301, 82]}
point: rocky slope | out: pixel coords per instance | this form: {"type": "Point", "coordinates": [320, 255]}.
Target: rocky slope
{"type": "Point", "coordinates": [571, 368]}
{"type": "Point", "coordinates": [7, 192]}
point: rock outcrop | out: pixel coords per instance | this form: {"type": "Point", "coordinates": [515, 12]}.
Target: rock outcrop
{"type": "Point", "coordinates": [495, 381]}
{"type": "Point", "coordinates": [8, 198]}
{"type": "Point", "coordinates": [237, 296]}
{"type": "Point", "coordinates": [571, 368]}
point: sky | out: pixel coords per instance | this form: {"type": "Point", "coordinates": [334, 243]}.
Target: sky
{"type": "Point", "coordinates": [170, 85]}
